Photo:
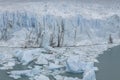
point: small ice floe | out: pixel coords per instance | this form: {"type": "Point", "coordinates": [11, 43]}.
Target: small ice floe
{"type": "Point", "coordinates": [27, 56]}
{"type": "Point", "coordinates": [59, 77]}
{"type": "Point", "coordinates": [8, 65]}
{"type": "Point", "coordinates": [30, 73]}
{"type": "Point", "coordinates": [41, 77]}
{"type": "Point", "coordinates": [75, 65]}
{"type": "Point", "coordinates": [53, 66]}
{"type": "Point", "coordinates": [42, 60]}
{"type": "Point", "coordinates": [6, 61]}
{"type": "Point", "coordinates": [70, 78]}
{"type": "Point", "coordinates": [89, 75]}
{"type": "Point", "coordinates": [18, 74]}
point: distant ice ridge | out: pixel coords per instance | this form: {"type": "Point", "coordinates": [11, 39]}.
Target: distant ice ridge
{"type": "Point", "coordinates": [26, 29]}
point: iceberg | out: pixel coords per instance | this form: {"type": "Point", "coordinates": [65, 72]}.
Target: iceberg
{"type": "Point", "coordinates": [41, 77]}
{"type": "Point", "coordinates": [75, 65]}
{"type": "Point", "coordinates": [17, 74]}
{"type": "Point", "coordinates": [6, 61]}
{"type": "Point", "coordinates": [42, 60]}
{"type": "Point", "coordinates": [89, 75]}
{"type": "Point", "coordinates": [53, 66]}
{"type": "Point", "coordinates": [26, 56]}
{"type": "Point", "coordinates": [29, 72]}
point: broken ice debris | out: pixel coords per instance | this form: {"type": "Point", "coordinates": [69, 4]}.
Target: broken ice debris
{"type": "Point", "coordinates": [53, 66]}
{"type": "Point", "coordinates": [41, 77]}
{"type": "Point", "coordinates": [41, 60]}
{"type": "Point", "coordinates": [75, 65]}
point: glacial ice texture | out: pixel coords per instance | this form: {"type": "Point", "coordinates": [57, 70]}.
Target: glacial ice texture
{"type": "Point", "coordinates": [55, 25]}
{"type": "Point", "coordinates": [23, 29]}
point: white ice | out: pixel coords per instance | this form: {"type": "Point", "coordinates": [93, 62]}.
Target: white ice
{"type": "Point", "coordinates": [56, 35]}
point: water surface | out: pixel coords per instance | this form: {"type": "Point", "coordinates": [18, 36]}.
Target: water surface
{"type": "Point", "coordinates": [109, 66]}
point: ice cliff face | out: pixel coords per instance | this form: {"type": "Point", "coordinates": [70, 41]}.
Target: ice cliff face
{"type": "Point", "coordinates": [50, 30]}
{"type": "Point", "coordinates": [24, 28]}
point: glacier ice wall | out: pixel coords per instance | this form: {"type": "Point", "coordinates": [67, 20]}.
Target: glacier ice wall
{"type": "Point", "coordinates": [27, 29]}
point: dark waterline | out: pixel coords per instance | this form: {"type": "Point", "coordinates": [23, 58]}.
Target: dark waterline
{"type": "Point", "coordinates": [109, 65]}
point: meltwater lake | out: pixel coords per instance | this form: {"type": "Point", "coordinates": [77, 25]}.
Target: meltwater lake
{"type": "Point", "coordinates": [109, 65]}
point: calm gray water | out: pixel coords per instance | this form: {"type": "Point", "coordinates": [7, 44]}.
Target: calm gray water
{"type": "Point", "coordinates": [109, 66]}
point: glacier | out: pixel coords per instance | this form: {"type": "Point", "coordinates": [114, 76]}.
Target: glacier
{"type": "Point", "coordinates": [43, 24]}
{"type": "Point", "coordinates": [50, 30]}
{"type": "Point", "coordinates": [50, 38]}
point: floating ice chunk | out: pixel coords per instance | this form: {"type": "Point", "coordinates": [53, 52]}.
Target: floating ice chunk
{"type": "Point", "coordinates": [89, 66]}
{"type": "Point", "coordinates": [17, 74]}
{"type": "Point", "coordinates": [30, 73]}
{"type": "Point", "coordinates": [8, 65]}
{"type": "Point", "coordinates": [27, 56]}
{"type": "Point", "coordinates": [41, 77]}
{"type": "Point", "coordinates": [35, 71]}
{"type": "Point", "coordinates": [53, 66]}
{"type": "Point", "coordinates": [59, 77]}
{"type": "Point", "coordinates": [75, 65]}
{"type": "Point", "coordinates": [7, 61]}
{"type": "Point", "coordinates": [70, 78]}
{"type": "Point", "coordinates": [41, 60]}
{"type": "Point", "coordinates": [89, 75]}
{"type": "Point", "coordinates": [5, 57]}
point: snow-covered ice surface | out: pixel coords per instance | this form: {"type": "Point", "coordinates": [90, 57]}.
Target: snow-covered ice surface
{"type": "Point", "coordinates": [51, 39]}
